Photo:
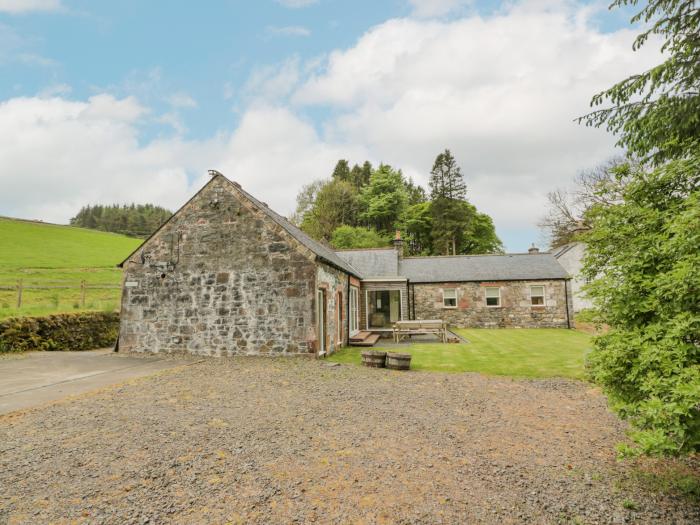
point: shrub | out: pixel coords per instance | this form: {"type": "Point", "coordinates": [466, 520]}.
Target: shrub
{"type": "Point", "coordinates": [76, 331]}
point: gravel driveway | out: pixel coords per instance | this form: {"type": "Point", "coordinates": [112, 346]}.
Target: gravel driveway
{"type": "Point", "coordinates": [255, 440]}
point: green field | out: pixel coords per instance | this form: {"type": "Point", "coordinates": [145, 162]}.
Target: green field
{"type": "Point", "coordinates": [41, 254]}
{"type": "Point", "coordinates": [535, 352]}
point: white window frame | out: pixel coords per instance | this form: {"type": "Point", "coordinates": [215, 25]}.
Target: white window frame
{"type": "Point", "coordinates": [486, 297]}
{"type": "Point", "coordinates": [354, 312]}
{"type": "Point", "coordinates": [544, 300]}
{"type": "Point", "coordinates": [444, 298]}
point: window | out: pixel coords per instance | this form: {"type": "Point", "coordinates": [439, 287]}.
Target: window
{"type": "Point", "coordinates": [354, 311]}
{"type": "Point", "coordinates": [493, 296]}
{"type": "Point", "coordinates": [449, 298]}
{"type": "Point", "coordinates": [537, 295]}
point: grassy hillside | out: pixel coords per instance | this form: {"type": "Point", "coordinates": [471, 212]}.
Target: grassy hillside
{"type": "Point", "coordinates": [42, 254]}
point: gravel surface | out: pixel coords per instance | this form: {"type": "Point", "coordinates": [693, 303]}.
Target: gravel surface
{"type": "Point", "coordinates": [255, 440]}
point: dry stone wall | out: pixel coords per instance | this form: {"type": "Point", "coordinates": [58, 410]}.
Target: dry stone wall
{"type": "Point", "coordinates": [516, 309]}
{"type": "Point", "coordinates": [220, 278]}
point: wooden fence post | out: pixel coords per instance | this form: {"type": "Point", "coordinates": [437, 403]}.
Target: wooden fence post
{"type": "Point", "coordinates": [19, 293]}
{"type": "Point", "coordinates": [82, 294]}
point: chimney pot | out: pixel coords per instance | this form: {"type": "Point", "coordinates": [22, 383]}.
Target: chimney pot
{"type": "Point", "coordinates": [533, 249]}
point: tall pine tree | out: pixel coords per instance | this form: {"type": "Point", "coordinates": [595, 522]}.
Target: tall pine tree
{"type": "Point", "coordinates": [448, 193]}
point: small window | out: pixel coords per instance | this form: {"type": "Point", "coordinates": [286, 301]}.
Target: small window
{"type": "Point", "coordinates": [537, 295]}
{"type": "Point", "coordinates": [449, 298]}
{"type": "Point", "coordinates": [493, 296]}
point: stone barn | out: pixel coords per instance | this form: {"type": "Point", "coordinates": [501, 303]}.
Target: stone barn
{"type": "Point", "coordinates": [226, 275]}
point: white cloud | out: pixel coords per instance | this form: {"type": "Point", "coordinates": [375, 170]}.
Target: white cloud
{"type": "Point", "coordinates": [24, 6]}
{"type": "Point", "coordinates": [57, 155]}
{"type": "Point", "coordinates": [436, 8]}
{"type": "Point", "coordinates": [501, 92]}
{"type": "Point", "coordinates": [287, 31]}
{"type": "Point", "coordinates": [273, 82]}
{"type": "Point", "coordinates": [296, 4]}
{"type": "Point", "coordinates": [181, 100]}
{"type": "Point", "coordinates": [274, 152]}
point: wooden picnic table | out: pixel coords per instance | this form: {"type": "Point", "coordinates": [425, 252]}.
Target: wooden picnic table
{"type": "Point", "coordinates": [420, 327]}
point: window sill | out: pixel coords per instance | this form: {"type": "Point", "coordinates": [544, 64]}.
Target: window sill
{"type": "Point", "coordinates": [449, 307]}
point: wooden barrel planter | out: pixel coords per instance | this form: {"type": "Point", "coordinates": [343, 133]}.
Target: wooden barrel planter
{"type": "Point", "coordinates": [374, 358]}
{"type": "Point", "coordinates": [398, 361]}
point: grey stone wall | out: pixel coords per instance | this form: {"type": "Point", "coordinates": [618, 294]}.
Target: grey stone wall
{"type": "Point", "coordinates": [335, 284]}
{"type": "Point", "coordinates": [220, 278]}
{"type": "Point", "coordinates": [516, 309]}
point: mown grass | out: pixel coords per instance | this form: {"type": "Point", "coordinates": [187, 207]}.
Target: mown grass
{"type": "Point", "coordinates": [537, 352]}
{"type": "Point", "coordinates": [42, 254]}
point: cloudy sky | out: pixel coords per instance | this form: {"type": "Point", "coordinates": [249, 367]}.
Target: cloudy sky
{"type": "Point", "coordinates": [133, 101]}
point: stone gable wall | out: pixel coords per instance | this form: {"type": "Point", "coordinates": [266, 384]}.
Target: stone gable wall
{"type": "Point", "coordinates": [335, 284]}
{"type": "Point", "coordinates": [221, 278]}
{"type": "Point", "coordinates": [515, 310]}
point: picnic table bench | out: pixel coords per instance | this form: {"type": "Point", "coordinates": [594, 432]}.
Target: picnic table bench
{"type": "Point", "coordinates": [420, 327]}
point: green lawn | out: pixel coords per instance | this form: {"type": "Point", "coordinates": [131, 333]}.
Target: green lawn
{"type": "Point", "coordinates": [48, 254]}
{"type": "Point", "coordinates": [527, 352]}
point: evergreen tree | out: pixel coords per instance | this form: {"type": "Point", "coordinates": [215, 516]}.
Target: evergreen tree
{"type": "Point", "coordinates": [134, 220]}
{"type": "Point", "coordinates": [342, 171]}
{"type": "Point", "coordinates": [643, 252]}
{"type": "Point", "coordinates": [446, 180]}
{"type": "Point", "coordinates": [448, 191]}
{"type": "Point", "coordinates": [360, 175]}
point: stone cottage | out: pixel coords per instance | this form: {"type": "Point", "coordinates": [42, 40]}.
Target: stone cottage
{"type": "Point", "coordinates": [227, 275]}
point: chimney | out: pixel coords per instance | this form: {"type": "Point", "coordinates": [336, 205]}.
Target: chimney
{"type": "Point", "coordinates": [532, 250]}
{"type": "Point", "coordinates": [398, 244]}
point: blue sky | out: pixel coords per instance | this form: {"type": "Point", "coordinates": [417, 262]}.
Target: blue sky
{"type": "Point", "coordinates": [148, 95]}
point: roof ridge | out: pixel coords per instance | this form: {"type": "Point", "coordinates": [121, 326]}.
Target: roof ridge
{"type": "Point", "coordinates": [473, 255]}
{"type": "Point", "coordinates": [363, 249]}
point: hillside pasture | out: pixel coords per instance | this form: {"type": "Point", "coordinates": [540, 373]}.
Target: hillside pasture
{"type": "Point", "coordinates": [51, 261]}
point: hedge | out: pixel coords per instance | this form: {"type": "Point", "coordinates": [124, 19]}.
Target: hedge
{"type": "Point", "coordinates": [76, 331]}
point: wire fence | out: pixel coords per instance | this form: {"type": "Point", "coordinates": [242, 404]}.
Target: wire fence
{"type": "Point", "coordinates": [22, 287]}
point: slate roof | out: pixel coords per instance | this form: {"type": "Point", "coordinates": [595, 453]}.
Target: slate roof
{"type": "Point", "coordinates": [381, 262]}
{"type": "Point", "coordinates": [509, 267]}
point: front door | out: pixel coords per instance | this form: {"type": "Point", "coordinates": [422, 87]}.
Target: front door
{"type": "Point", "coordinates": [384, 308]}
{"type": "Point", "coordinates": [321, 320]}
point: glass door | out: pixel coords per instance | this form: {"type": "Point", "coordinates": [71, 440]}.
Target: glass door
{"type": "Point", "coordinates": [384, 308]}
